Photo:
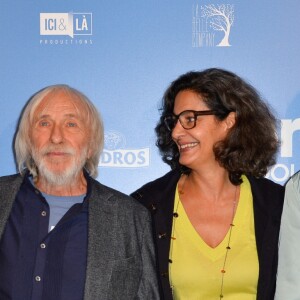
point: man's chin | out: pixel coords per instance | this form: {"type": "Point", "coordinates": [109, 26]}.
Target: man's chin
{"type": "Point", "coordinates": [57, 169]}
{"type": "Point", "coordinates": [58, 178]}
{"type": "Point", "coordinates": [59, 174]}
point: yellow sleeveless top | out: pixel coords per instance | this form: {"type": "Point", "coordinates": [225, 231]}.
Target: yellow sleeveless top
{"type": "Point", "coordinates": [195, 270]}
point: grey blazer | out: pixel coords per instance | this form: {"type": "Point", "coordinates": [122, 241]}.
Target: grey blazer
{"type": "Point", "coordinates": [120, 262]}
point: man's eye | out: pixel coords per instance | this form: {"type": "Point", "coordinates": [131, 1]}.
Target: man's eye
{"type": "Point", "coordinates": [44, 123]}
{"type": "Point", "coordinates": [71, 124]}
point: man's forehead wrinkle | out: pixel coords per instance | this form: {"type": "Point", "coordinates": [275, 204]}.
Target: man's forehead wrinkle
{"type": "Point", "coordinates": [67, 115]}
{"type": "Point", "coordinates": [70, 104]}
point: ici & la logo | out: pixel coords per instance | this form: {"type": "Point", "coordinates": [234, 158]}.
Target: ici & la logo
{"type": "Point", "coordinates": [212, 23]}
{"type": "Point", "coordinates": [70, 24]}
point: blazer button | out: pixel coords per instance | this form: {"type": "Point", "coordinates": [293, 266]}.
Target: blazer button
{"type": "Point", "coordinates": [152, 207]}
{"type": "Point", "coordinates": [162, 235]}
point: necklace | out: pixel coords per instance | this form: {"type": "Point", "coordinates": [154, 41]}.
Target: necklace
{"type": "Point", "coordinates": [223, 270]}
{"type": "Point", "coordinates": [228, 247]}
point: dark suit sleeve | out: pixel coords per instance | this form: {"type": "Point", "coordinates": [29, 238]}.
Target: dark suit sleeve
{"type": "Point", "coordinates": [148, 287]}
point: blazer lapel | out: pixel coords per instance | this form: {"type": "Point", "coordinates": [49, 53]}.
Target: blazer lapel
{"type": "Point", "coordinates": [10, 186]}
{"type": "Point", "coordinates": [101, 242]}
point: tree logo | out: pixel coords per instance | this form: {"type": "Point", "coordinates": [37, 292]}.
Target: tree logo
{"type": "Point", "coordinates": [212, 25]}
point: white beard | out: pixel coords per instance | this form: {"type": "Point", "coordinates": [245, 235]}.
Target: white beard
{"type": "Point", "coordinates": [65, 177]}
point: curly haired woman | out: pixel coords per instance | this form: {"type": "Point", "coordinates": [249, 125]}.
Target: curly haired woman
{"type": "Point", "coordinates": [216, 219]}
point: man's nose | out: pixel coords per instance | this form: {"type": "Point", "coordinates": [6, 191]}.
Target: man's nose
{"type": "Point", "coordinates": [57, 134]}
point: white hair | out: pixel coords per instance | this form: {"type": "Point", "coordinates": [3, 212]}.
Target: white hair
{"type": "Point", "coordinates": [23, 147]}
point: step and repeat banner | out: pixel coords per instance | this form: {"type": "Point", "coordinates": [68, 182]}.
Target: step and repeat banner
{"type": "Point", "coordinates": [124, 54]}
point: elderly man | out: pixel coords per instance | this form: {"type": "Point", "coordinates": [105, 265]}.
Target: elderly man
{"type": "Point", "coordinates": [63, 234]}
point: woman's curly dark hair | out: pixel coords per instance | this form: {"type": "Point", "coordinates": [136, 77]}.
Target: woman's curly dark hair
{"type": "Point", "coordinates": [251, 145]}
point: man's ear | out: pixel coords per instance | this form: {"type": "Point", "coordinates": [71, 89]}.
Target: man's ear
{"type": "Point", "coordinates": [90, 153]}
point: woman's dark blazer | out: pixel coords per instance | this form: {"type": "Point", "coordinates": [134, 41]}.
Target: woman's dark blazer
{"type": "Point", "coordinates": [158, 196]}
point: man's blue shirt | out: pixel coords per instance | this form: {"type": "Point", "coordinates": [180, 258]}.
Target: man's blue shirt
{"type": "Point", "coordinates": [36, 264]}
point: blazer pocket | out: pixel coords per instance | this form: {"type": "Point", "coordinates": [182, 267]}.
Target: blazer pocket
{"type": "Point", "coordinates": [125, 277]}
